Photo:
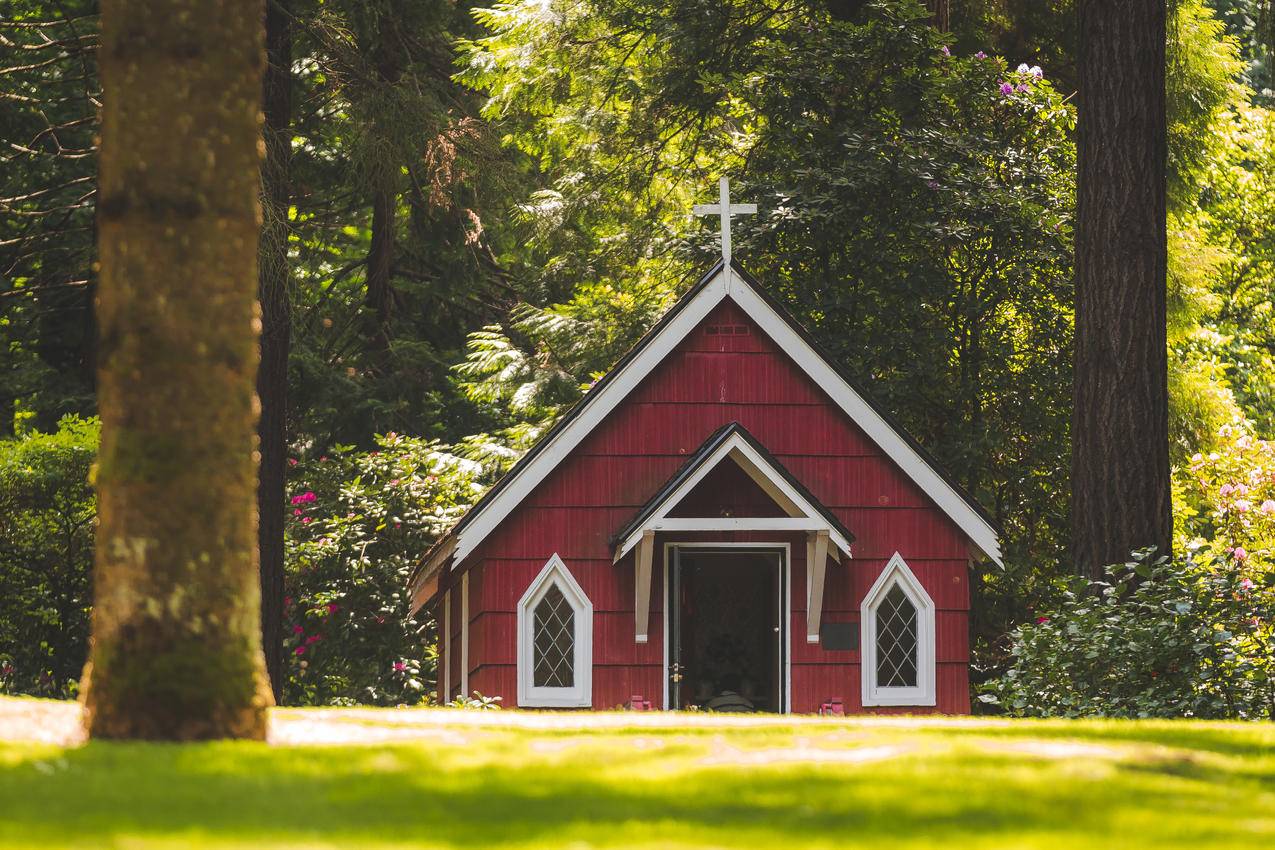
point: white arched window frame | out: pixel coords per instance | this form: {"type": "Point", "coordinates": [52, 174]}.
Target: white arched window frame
{"type": "Point", "coordinates": [922, 693]}
{"type": "Point", "coordinates": [579, 693]}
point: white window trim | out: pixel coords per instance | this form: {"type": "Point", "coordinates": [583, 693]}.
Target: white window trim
{"type": "Point", "coordinates": [555, 572]}
{"type": "Point", "coordinates": [897, 572]}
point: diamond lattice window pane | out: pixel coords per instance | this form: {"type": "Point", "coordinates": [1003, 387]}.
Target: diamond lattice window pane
{"type": "Point", "coordinates": [896, 640]}
{"type": "Point", "coordinates": [554, 640]}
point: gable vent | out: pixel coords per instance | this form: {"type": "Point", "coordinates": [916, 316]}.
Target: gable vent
{"type": "Point", "coordinates": [728, 330]}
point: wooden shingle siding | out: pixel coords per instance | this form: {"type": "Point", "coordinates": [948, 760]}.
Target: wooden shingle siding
{"type": "Point", "coordinates": [709, 381]}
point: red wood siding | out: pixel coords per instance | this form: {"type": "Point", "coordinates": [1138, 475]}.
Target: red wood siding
{"type": "Point", "coordinates": [710, 380]}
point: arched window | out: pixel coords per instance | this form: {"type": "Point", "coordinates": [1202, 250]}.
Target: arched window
{"type": "Point", "coordinates": [555, 641]}
{"type": "Point", "coordinates": [897, 635]}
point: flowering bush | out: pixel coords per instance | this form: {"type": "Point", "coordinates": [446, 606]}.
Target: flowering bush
{"type": "Point", "coordinates": [359, 523]}
{"type": "Point", "coordinates": [1189, 636]}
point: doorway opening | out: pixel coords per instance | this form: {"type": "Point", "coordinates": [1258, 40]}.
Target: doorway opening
{"type": "Point", "coordinates": [727, 629]}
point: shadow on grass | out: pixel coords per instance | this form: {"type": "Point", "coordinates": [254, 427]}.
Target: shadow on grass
{"type": "Point", "coordinates": [501, 792]}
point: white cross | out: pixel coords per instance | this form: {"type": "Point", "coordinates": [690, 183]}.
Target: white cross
{"type": "Point", "coordinates": [725, 209]}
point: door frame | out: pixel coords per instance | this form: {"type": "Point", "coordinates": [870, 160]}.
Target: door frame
{"type": "Point", "coordinates": [784, 550]}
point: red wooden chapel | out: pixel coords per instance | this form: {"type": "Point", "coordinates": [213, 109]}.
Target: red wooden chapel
{"type": "Point", "coordinates": [724, 521]}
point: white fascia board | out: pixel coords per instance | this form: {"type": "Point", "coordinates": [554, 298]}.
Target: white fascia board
{"type": "Point", "coordinates": [755, 465]}
{"type": "Point", "coordinates": [878, 430]}
{"type": "Point", "coordinates": [596, 407]}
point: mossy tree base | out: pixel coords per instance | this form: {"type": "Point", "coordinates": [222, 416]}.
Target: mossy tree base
{"type": "Point", "coordinates": [176, 646]}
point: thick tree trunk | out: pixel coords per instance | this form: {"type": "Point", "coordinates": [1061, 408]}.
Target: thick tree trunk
{"type": "Point", "coordinates": [380, 260]}
{"type": "Point", "coordinates": [940, 14]}
{"type": "Point", "coordinates": [176, 640]}
{"type": "Point", "coordinates": [1120, 450]}
{"type": "Point", "coordinates": [276, 331]}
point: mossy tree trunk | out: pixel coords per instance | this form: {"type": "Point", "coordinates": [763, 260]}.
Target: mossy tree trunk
{"type": "Point", "coordinates": [176, 641]}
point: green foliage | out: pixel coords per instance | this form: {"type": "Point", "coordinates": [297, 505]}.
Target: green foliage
{"type": "Point", "coordinates": [359, 524]}
{"type": "Point", "coordinates": [47, 514]}
{"type": "Point", "coordinates": [1189, 636]}
{"type": "Point", "coordinates": [49, 93]}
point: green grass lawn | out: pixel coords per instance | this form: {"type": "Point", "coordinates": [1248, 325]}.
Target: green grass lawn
{"type": "Point", "coordinates": [504, 780]}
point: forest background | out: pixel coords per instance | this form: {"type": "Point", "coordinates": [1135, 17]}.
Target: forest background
{"type": "Point", "coordinates": [471, 213]}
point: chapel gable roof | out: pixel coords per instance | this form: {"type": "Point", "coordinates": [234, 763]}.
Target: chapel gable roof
{"type": "Point", "coordinates": [655, 346]}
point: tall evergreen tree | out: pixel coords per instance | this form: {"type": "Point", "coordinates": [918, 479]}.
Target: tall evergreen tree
{"type": "Point", "coordinates": [176, 642]}
{"type": "Point", "coordinates": [1120, 451]}
{"type": "Point", "coordinates": [276, 329]}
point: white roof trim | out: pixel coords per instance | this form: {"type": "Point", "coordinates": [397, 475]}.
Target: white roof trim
{"type": "Point", "coordinates": [802, 515]}
{"type": "Point", "coordinates": [597, 405]}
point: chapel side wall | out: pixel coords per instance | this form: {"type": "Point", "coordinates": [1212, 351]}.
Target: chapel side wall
{"type": "Point", "coordinates": [708, 382]}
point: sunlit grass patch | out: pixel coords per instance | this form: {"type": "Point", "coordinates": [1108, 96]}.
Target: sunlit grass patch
{"type": "Point", "coordinates": [628, 781]}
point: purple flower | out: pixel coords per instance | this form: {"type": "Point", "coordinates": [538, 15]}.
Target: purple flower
{"type": "Point", "coordinates": [946, 51]}
{"type": "Point", "coordinates": [1007, 89]}
{"type": "Point", "coordinates": [980, 55]}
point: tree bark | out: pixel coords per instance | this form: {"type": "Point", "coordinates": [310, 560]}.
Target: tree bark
{"type": "Point", "coordinates": [276, 331]}
{"type": "Point", "coordinates": [176, 635]}
{"type": "Point", "coordinates": [1120, 451]}
{"type": "Point", "coordinates": [940, 14]}
{"type": "Point", "coordinates": [380, 264]}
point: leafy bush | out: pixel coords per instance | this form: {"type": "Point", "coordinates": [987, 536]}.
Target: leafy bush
{"type": "Point", "coordinates": [1189, 636]}
{"type": "Point", "coordinates": [359, 523]}
{"type": "Point", "coordinates": [47, 512]}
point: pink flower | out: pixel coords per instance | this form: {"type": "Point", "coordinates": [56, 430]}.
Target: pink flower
{"type": "Point", "coordinates": [379, 620]}
{"type": "Point", "coordinates": [292, 461]}
{"type": "Point", "coordinates": [1240, 554]}
{"type": "Point", "coordinates": [313, 639]}
{"type": "Point", "coordinates": [296, 630]}
{"type": "Point", "coordinates": [298, 512]}
{"type": "Point", "coordinates": [1242, 505]}
{"type": "Point", "coordinates": [946, 51]}
{"type": "Point", "coordinates": [1246, 584]}
{"type": "Point", "coordinates": [305, 520]}
{"type": "Point", "coordinates": [1268, 507]}
{"type": "Point", "coordinates": [1007, 89]}
{"type": "Point", "coordinates": [1225, 490]}
{"type": "Point", "coordinates": [399, 666]}
{"type": "Point", "coordinates": [398, 525]}
{"type": "Point", "coordinates": [300, 650]}
{"type": "Point", "coordinates": [333, 607]}
{"type": "Point", "coordinates": [1040, 621]}
{"type": "Point", "coordinates": [393, 482]}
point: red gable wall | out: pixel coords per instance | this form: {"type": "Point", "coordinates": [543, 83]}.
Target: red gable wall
{"type": "Point", "coordinates": [727, 370]}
